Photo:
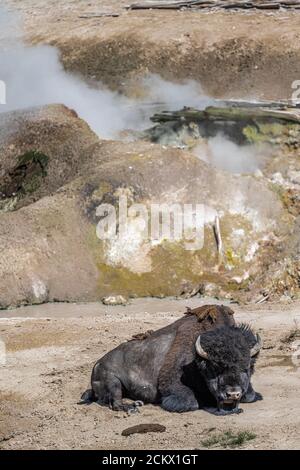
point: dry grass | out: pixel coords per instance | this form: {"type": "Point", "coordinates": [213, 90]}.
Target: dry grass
{"type": "Point", "coordinates": [229, 438]}
{"type": "Point", "coordinates": [292, 335]}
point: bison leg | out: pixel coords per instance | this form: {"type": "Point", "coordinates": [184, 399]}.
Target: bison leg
{"type": "Point", "coordinates": [179, 399]}
{"type": "Point", "coordinates": [175, 395]}
{"type": "Point", "coordinates": [110, 392]}
{"type": "Point", "coordinates": [251, 395]}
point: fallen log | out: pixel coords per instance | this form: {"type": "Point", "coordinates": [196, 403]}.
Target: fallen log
{"type": "Point", "coordinates": [234, 113]}
{"type": "Point", "coordinates": [204, 4]}
{"type": "Point", "coordinates": [213, 113]}
{"type": "Point", "coordinates": [99, 15]}
{"type": "Point", "coordinates": [284, 104]}
{"type": "Point", "coordinates": [172, 5]}
{"type": "Point", "coordinates": [250, 5]}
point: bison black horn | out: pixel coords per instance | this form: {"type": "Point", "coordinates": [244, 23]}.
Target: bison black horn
{"type": "Point", "coordinates": [200, 350]}
{"type": "Point", "coordinates": [256, 347]}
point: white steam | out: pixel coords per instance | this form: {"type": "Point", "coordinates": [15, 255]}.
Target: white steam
{"type": "Point", "coordinates": [10, 27]}
{"type": "Point", "coordinates": [35, 76]}
{"type": "Point", "coordinates": [222, 153]}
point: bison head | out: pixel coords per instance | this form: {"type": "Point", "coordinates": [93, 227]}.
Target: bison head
{"type": "Point", "coordinates": [226, 357]}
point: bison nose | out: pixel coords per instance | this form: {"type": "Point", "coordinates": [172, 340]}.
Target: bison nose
{"type": "Point", "coordinates": [234, 394]}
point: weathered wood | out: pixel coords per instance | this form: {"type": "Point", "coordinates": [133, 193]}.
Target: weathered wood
{"type": "Point", "coordinates": [217, 233]}
{"type": "Point", "coordinates": [248, 5]}
{"type": "Point", "coordinates": [99, 15]}
{"type": "Point", "coordinates": [203, 4]}
{"type": "Point", "coordinates": [235, 113]}
{"type": "Point", "coordinates": [172, 5]}
{"type": "Point", "coordinates": [189, 114]}
{"type": "Point", "coordinates": [214, 113]}
{"type": "Point", "coordinates": [284, 104]}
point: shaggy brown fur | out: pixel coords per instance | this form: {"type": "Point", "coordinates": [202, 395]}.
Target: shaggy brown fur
{"type": "Point", "coordinates": [141, 336]}
{"type": "Point", "coordinates": [197, 321]}
{"type": "Point", "coordinates": [210, 312]}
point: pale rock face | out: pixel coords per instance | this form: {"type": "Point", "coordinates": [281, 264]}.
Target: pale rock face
{"type": "Point", "coordinates": [278, 178]}
{"type": "Point", "coordinates": [49, 243]}
{"type": "Point", "coordinates": [294, 176]}
{"type": "Point", "coordinates": [114, 300]}
{"type": "Point", "coordinates": [130, 246]}
{"type": "Point", "coordinates": [251, 252]}
{"type": "Point", "coordinates": [40, 291]}
{"type": "Point", "coordinates": [130, 250]}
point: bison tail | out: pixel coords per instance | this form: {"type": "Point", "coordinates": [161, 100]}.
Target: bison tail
{"type": "Point", "coordinates": [87, 397]}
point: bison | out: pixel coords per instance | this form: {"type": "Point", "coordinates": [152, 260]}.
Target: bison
{"type": "Point", "coordinates": [203, 360]}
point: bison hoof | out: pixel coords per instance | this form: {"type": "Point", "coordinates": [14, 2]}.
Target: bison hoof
{"type": "Point", "coordinates": [134, 407]}
{"type": "Point", "coordinates": [139, 403]}
{"type": "Point", "coordinates": [258, 396]}
{"type": "Point", "coordinates": [222, 412]}
{"type": "Point", "coordinates": [252, 397]}
{"type": "Point", "coordinates": [132, 410]}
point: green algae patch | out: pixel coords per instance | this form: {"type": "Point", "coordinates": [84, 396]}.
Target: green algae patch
{"type": "Point", "coordinates": [33, 156]}
{"type": "Point", "coordinates": [271, 132]}
{"type": "Point", "coordinates": [171, 265]}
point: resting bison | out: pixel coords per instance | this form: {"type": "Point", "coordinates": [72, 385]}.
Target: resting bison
{"type": "Point", "coordinates": [203, 360]}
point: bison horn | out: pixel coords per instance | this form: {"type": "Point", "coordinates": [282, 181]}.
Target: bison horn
{"type": "Point", "coordinates": [256, 347]}
{"type": "Point", "coordinates": [200, 350]}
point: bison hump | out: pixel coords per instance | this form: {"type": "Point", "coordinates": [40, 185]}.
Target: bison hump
{"type": "Point", "coordinates": [212, 313]}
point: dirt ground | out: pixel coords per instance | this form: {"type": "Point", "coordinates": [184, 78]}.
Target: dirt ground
{"type": "Point", "coordinates": [51, 348]}
{"type": "Point", "coordinates": [50, 353]}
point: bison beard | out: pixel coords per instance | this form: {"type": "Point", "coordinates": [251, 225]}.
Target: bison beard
{"type": "Point", "coordinates": [203, 360]}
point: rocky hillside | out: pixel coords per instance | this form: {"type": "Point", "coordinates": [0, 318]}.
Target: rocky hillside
{"type": "Point", "coordinates": [56, 173]}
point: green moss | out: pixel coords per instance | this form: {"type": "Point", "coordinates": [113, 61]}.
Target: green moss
{"type": "Point", "coordinates": [33, 156]}
{"type": "Point", "coordinates": [252, 134]}
{"type": "Point", "coordinates": [231, 257]}
{"type": "Point", "coordinates": [273, 132]}
{"type": "Point", "coordinates": [35, 169]}
{"type": "Point", "coordinates": [9, 204]}
{"type": "Point", "coordinates": [31, 185]}
{"type": "Point", "coordinates": [26, 177]}
{"type": "Point", "coordinates": [273, 129]}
